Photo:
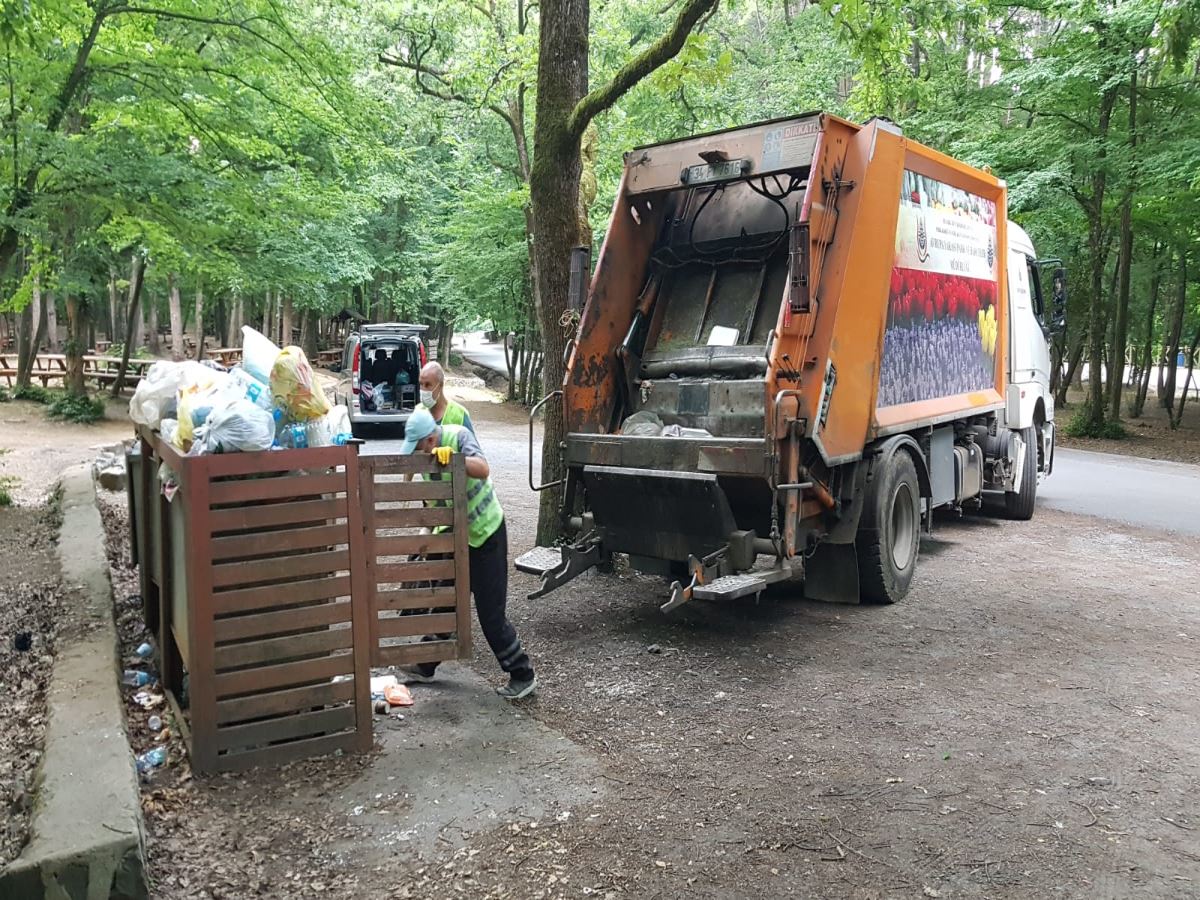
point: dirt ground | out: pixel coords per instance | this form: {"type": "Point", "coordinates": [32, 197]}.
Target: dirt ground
{"type": "Point", "coordinates": [35, 450]}
{"type": "Point", "coordinates": [1149, 436]}
{"type": "Point", "coordinates": [29, 598]}
{"type": "Point", "coordinates": [1022, 725]}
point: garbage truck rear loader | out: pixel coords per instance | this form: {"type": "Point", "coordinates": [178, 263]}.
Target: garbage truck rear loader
{"type": "Point", "coordinates": [801, 337]}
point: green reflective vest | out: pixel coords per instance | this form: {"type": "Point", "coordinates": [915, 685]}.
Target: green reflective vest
{"type": "Point", "coordinates": [455, 414]}
{"type": "Point", "coordinates": [484, 515]}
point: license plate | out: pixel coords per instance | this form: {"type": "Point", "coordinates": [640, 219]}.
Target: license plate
{"type": "Point", "coordinates": [720, 171]}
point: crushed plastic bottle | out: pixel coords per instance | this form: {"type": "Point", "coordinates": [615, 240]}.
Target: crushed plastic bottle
{"type": "Point", "coordinates": [155, 723]}
{"type": "Point", "coordinates": [340, 440]}
{"type": "Point", "coordinates": [151, 759]}
{"type": "Point", "coordinates": [135, 678]}
{"type": "Point", "coordinates": [144, 650]}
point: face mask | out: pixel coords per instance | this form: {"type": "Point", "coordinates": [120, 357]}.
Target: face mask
{"type": "Point", "coordinates": [427, 399]}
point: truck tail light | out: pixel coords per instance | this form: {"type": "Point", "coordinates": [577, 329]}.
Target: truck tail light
{"type": "Point", "coordinates": [424, 356]}
{"type": "Point", "coordinates": [354, 368]}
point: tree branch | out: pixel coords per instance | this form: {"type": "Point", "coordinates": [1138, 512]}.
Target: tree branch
{"type": "Point", "coordinates": [654, 56]}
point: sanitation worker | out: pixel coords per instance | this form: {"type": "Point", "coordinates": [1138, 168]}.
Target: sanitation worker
{"type": "Point", "coordinates": [487, 536]}
{"type": "Point", "coordinates": [433, 398]}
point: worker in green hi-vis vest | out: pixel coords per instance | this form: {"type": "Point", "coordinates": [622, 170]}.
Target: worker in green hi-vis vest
{"type": "Point", "coordinates": [487, 537]}
{"type": "Point", "coordinates": [433, 398]}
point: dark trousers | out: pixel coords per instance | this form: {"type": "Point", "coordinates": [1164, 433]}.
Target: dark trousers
{"type": "Point", "coordinates": [489, 585]}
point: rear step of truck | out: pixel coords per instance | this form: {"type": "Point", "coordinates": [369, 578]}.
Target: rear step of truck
{"type": "Point", "coordinates": [539, 560]}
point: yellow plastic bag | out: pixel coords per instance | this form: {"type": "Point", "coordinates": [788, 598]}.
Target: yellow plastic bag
{"type": "Point", "coordinates": [186, 433]}
{"type": "Point", "coordinates": [295, 387]}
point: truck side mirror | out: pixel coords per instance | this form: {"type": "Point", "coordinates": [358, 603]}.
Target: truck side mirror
{"type": "Point", "coordinates": [1058, 300]}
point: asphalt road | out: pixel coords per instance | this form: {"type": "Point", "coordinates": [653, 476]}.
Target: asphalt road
{"type": "Point", "coordinates": [1141, 492]}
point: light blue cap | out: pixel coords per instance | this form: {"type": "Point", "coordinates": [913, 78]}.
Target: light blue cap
{"type": "Point", "coordinates": [419, 426]}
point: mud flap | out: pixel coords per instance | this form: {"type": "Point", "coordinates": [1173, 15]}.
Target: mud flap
{"type": "Point", "coordinates": [831, 574]}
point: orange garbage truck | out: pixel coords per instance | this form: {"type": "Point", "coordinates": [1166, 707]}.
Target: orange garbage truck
{"type": "Point", "coordinates": [801, 337]}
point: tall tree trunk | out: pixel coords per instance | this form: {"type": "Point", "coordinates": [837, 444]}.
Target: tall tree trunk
{"type": "Point", "coordinates": [221, 320]}
{"type": "Point", "coordinates": [76, 337]}
{"type": "Point", "coordinates": [266, 316]}
{"type": "Point", "coordinates": [175, 304]}
{"type": "Point", "coordinates": [114, 315]}
{"type": "Point", "coordinates": [1177, 417]}
{"type": "Point", "coordinates": [137, 276]}
{"type": "Point", "coordinates": [285, 327]}
{"type": "Point", "coordinates": [25, 336]}
{"type": "Point", "coordinates": [199, 319]}
{"type": "Point", "coordinates": [1147, 355]}
{"type": "Point", "coordinates": [309, 323]}
{"type": "Point", "coordinates": [152, 316]}
{"type": "Point", "coordinates": [1124, 262]}
{"type": "Point", "coordinates": [51, 322]}
{"type": "Point", "coordinates": [1074, 367]}
{"type": "Point", "coordinates": [1169, 370]}
{"type": "Point", "coordinates": [1094, 411]}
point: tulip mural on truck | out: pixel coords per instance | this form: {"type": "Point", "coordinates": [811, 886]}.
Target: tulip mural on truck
{"type": "Point", "coordinates": [941, 332]}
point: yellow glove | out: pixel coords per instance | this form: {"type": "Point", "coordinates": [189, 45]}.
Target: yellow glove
{"type": "Point", "coordinates": [443, 455]}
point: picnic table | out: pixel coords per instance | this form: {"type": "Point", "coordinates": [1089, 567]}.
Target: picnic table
{"type": "Point", "coordinates": [226, 356]}
{"type": "Point", "coordinates": [328, 357]}
{"type": "Point", "coordinates": [49, 367]}
{"type": "Point", "coordinates": [101, 346]}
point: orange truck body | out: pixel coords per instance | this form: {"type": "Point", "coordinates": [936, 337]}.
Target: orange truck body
{"type": "Point", "coordinates": [788, 294]}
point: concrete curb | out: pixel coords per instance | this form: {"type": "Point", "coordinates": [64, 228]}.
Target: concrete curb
{"type": "Point", "coordinates": [87, 841]}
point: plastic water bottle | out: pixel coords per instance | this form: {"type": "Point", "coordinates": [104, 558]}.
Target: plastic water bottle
{"type": "Point", "coordinates": [134, 678]}
{"type": "Point", "coordinates": [151, 759]}
{"type": "Point", "coordinates": [144, 650]}
{"type": "Point", "coordinates": [340, 440]}
{"type": "Point", "coordinates": [296, 436]}
{"type": "Point", "coordinates": [155, 723]}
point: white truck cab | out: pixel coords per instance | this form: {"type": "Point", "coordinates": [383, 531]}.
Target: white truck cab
{"type": "Point", "coordinates": [1029, 408]}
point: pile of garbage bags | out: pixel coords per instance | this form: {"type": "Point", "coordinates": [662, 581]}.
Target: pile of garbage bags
{"type": "Point", "coordinates": [271, 400]}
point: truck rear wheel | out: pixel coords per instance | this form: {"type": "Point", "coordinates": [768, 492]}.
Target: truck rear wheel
{"type": "Point", "coordinates": [889, 534]}
{"type": "Point", "coordinates": [1019, 504]}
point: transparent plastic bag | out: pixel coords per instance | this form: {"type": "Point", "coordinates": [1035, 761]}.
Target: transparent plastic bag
{"type": "Point", "coordinates": [259, 353]}
{"type": "Point", "coordinates": [295, 387]}
{"type": "Point", "coordinates": [239, 425]}
{"type": "Point", "coordinates": [643, 423]}
{"type": "Point", "coordinates": [325, 431]}
{"type": "Point", "coordinates": [154, 397]}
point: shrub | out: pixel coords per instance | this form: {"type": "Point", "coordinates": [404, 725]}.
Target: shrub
{"type": "Point", "coordinates": [83, 410]}
{"type": "Point", "coordinates": [1081, 426]}
{"type": "Point", "coordinates": [4, 396]}
{"type": "Point", "coordinates": [34, 393]}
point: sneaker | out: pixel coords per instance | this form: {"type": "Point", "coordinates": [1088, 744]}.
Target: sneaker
{"type": "Point", "coordinates": [517, 689]}
{"type": "Point", "coordinates": [414, 674]}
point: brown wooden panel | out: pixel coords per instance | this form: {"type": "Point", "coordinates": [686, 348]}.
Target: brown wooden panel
{"type": "Point", "coordinates": [422, 517]}
{"type": "Point", "coordinates": [306, 724]}
{"type": "Point", "coordinates": [330, 562]}
{"type": "Point", "coordinates": [268, 677]}
{"type": "Point", "coordinates": [271, 650]}
{"type": "Point", "coordinates": [402, 491]}
{"type": "Point", "coordinates": [414, 544]}
{"type": "Point", "coordinates": [282, 753]}
{"type": "Point", "coordinates": [246, 599]}
{"type": "Point", "coordinates": [279, 621]}
{"type": "Point", "coordinates": [242, 545]}
{"type": "Point", "coordinates": [268, 514]}
{"type": "Point", "coordinates": [462, 560]}
{"type": "Point", "coordinates": [268, 461]}
{"type": "Point", "coordinates": [415, 598]}
{"type": "Point", "coordinates": [274, 488]}
{"type": "Point", "coordinates": [426, 651]}
{"type": "Point", "coordinates": [417, 464]}
{"type": "Point", "coordinates": [275, 702]}
{"type": "Point", "coordinates": [404, 573]}
{"type": "Point", "coordinates": [417, 626]}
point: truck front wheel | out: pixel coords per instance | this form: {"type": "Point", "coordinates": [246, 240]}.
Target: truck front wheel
{"type": "Point", "coordinates": [889, 534]}
{"type": "Point", "coordinates": [1019, 504]}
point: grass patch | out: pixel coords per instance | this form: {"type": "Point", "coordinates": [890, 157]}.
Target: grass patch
{"type": "Point", "coordinates": [6, 483]}
{"type": "Point", "coordinates": [82, 410]}
{"type": "Point", "coordinates": [1081, 426]}
{"type": "Point", "coordinates": [34, 393]}
{"type": "Point", "coordinates": [4, 395]}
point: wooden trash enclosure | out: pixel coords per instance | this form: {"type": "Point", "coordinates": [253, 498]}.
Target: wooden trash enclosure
{"type": "Point", "coordinates": [274, 581]}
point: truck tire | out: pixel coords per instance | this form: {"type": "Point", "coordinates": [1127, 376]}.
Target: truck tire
{"type": "Point", "coordinates": [889, 533]}
{"type": "Point", "coordinates": [1019, 504]}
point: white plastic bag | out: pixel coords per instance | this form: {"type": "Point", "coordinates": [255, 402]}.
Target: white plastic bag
{"type": "Point", "coordinates": [259, 353]}
{"type": "Point", "coordinates": [257, 392]}
{"type": "Point", "coordinates": [154, 396]}
{"type": "Point", "coordinates": [239, 425]}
